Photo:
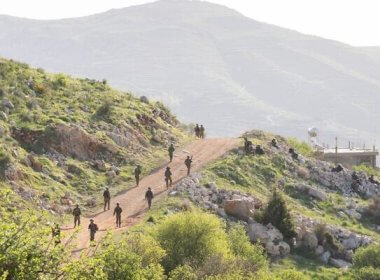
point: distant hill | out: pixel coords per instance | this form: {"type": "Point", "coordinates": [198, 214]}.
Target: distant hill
{"type": "Point", "coordinates": [63, 139]}
{"type": "Point", "coordinates": [212, 65]}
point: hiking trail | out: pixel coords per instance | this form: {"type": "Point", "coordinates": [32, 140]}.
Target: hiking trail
{"type": "Point", "coordinates": [132, 201]}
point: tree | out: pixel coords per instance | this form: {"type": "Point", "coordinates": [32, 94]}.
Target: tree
{"type": "Point", "coordinates": [366, 263]}
{"type": "Point", "coordinates": [190, 238]}
{"type": "Point", "coordinates": [278, 215]}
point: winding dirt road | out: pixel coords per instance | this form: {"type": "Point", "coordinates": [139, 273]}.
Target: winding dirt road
{"type": "Point", "coordinates": [132, 201]}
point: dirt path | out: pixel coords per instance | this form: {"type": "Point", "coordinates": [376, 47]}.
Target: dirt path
{"type": "Point", "coordinates": [132, 201]}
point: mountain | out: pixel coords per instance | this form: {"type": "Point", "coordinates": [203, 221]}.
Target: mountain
{"type": "Point", "coordinates": [214, 66]}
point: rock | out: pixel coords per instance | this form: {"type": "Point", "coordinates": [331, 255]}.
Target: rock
{"type": "Point", "coordinates": [12, 173]}
{"type": "Point", "coordinates": [173, 193]}
{"type": "Point", "coordinates": [319, 250]}
{"type": "Point", "coordinates": [275, 249]}
{"type": "Point", "coordinates": [353, 214]}
{"type": "Point", "coordinates": [352, 242]}
{"type": "Point", "coordinates": [221, 212]}
{"type": "Point", "coordinates": [325, 257]}
{"type": "Point", "coordinates": [258, 232]}
{"type": "Point", "coordinates": [313, 192]}
{"type": "Point", "coordinates": [310, 240]}
{"type": "Point", "coordinates": [91, 202]}
{"type": "Point", "coordinates": [115, 169]}
{"type": "Point", "coordinates": [144, 99]}
{"type": "Point", "coordinates": [100, 165]}
{"type": "Point", "coordinates": [338, 263]}
{"type": "Point", "coordinates": [2, 131]}
{"type": "Point", "coordinates": [7, 104]}
{"type": "Point", "coordinates": [111, 174]}
{"type": "Point", "coordinates": [3, 116]}
{"type": "Point", "coordinates": [240, 208]}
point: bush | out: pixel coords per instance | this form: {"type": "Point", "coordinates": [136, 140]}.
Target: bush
{"type": "Point", "coordinates": [367, 256]}
{"type": "Point", "coordinates": [183, 272]}
{"type": "Point", "coordinates": [367, 273]}
{"type": "Point", "coordinates": [190, 238]}
{"type": "Point", "coordinates": [291, 274]}
{"type": "Point", "coordinates": [105, 110]}
{"type": "Point", "coordinates": [243, 248]}
{"type": "Point", "coordinates": [278, 215]}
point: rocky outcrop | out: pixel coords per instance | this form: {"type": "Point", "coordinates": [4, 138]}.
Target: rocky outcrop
{"type": "Point", "coordinates": [270, 237]}
{"type": "Point", "coordinates": [241, 207]}
{"type": "Point", "coordinates": [313, 192]}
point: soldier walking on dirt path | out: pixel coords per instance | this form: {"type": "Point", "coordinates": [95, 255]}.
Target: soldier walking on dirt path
{"type": "Point", "coordinates": [168, 177]}
{"type": "Point", "coordinates": [197, 131]}
{"type": "Point", "coordinates": [76, 214]}
{"type": "Point", "coordinates": [137, 174]}
{"type": "Point", "coordinates": [93, 228]}
{"type": "Point", "coordinates": [171, 152]}
{"type": "Point", "coordinates": [117, 212]}
{"type": "Point", "coordinates": [149, 197]}
{"type": "Point", "coordinates": [107, 199]}
{"type": "Point", "coordinates": [202, 132]}
{"type": "Point", "coordinates": [56, 233]}
{"type": "Point", "coordinates": [188, 162]}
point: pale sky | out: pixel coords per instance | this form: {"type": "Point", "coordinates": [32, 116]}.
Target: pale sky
{"type": "Point", "coordinates": [355, 22]}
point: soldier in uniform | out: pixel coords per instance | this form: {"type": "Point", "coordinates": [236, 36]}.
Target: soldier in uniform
{"type": "Point", "coordinates": [56, 233]}
{"type": "Point", "coordinates": [188, 162]}
{"type": "Point", "coordinates": [259, 150]}
{"type": "Point", "coordinates": [107, 199]}
{"type": "Point", "coordinates": [168, 177]}
{"type": "Point", "coordinates": [93, 228]}
{"type": "Point", "coordinates": [171, 152]}
{"type": "Point", "coordinates": [149, 197]}
{"type": "Point", "coordinates": [274, 143]}
{"type": "Point", "coordinates": [197, 131]}
{"type": "Point", "coordinates": [202, 132]}
{"type": "Point", "coordinates": [76, 214]}
{"type": "Point", "coordinates": [137, 174]}
{"type": "Point", "coordinates": [117, 212]}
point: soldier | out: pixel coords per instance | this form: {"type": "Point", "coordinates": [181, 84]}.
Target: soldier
{"type": "Point", "coordinates": [202, 132]}
{"type": "Point", "coordinates": [76, 214]}
{"type": "Point", "coordinates": [149, 197]}
{"type": "Point", "coordinates": [259, 150]}
{"type": "Point", "coordinates": [197, 131]}
{"type": "Point", "coordinates": [337, 169]}
{"type": "Point", "coordinates": [137, 174]}
{"type": "Point", "coordinates": [107, 199]}
{"type": "Point", "coordinates": [188, 162]}
{"type": "Point", "coordinates": [117, 212]}
{"type": "Point", "coordinates": [56, 233]}
{"type": "Point", "coordinates": [93, 228]}
{"type": "Point", "coordinates": [171, 152]}
{"type": "Point", "coordinates": [168, 177]}
{"type": "Point", "coordinates": [274, 143]}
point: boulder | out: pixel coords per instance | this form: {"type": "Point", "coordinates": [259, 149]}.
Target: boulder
{"type": "Point", "coordinates": [7, 104]}
{"type": "Point", "coordinates": [258, 232]}
{"type": "Point", "coordinates": [310, 240]}
{"type": "Point", "coordinates": [240, 208]}
{"type": "Point", "coordinates": [325, 257]}
{"type": "Point", "coordinates": [277, 249]}
{"type": "Point", "coordinates": [111, 174]}
{"type": "Point", "coordinates": [319, 250]}
{"type": "Point", "coordinates": [313, 192]}
{"type": "Point", "coordinates": [12, 173]}
{"type": "Point", "coordinates": [338, 263]}
{"type": "Point", "coordinates": [352, 242]}
{"type": "Point", "coordinates": [3, 116]}
{"type": "Point", "coordinates": [353, 214]}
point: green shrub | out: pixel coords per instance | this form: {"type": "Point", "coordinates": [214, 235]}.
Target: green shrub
{"type": "Point", "coordinates": [277, 213]}
{"type": "Point", "coordinates": [190, 238]}
{"type": "Point", "coordinates": [367, 273]}
{"type": "Point", "coordinates": [374, 209]}
{"type": "Point", "coordinates": [105, 110]}
{"type": "Point", "coordinates": [243, 248]}
{"type": "Point", "coordinates": [291, 274]}
{"type": "Point", "coordinates": [183, 272]}
{"type": "Point", "coordinates": [367, 256]}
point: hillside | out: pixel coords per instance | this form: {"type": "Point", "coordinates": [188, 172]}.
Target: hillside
{"type": "Point", "coordinates": [237, 187]}
{"type": "Point", "coordinates": [206, 60]}
{"type": "Point", "coordinates": [63, 139]}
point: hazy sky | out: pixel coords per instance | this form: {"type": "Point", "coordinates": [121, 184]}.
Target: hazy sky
{"type": "Point", "coordinates": [355, 22]}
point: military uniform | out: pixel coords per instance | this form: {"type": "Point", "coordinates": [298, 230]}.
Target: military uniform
{"type": "Point", "coordinates": [76, 214]}
{"type": "Point", "coordinates": [137, 175]}
{"type": "Point", "coordinates": [188, 162]}
{"type": "Point", "coordinates": [149, 197]}
{"type": "Point", "coordinates": [117, 212]}
{"type": "Point", "coordinates": [93, 229]}
{"type": "Point", "coordinates": [168, 177]}
{"type": "Point", "coordinates": [171, 152]}
{"type": "Point", "coordinates": [107, 199]}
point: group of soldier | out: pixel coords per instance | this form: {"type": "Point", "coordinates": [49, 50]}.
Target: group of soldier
{"type": "Point", "coordinates": [199, 131]}
{"type": "Point", "coordinates": [93, 228]}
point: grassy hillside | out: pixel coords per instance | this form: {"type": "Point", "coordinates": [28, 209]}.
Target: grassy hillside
{"type": "Point", "coordinates": [64, 139]}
